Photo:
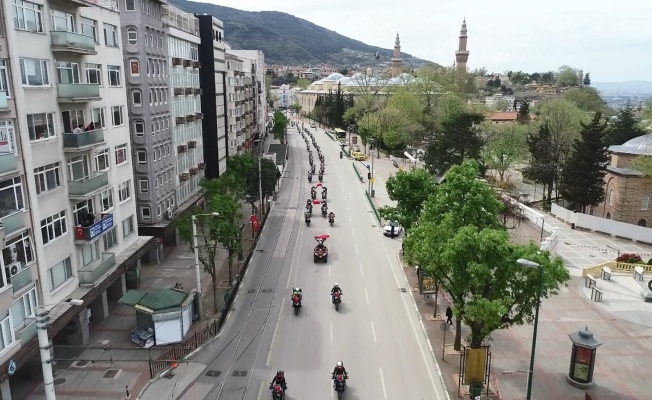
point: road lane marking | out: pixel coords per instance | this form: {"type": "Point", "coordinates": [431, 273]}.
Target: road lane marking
{"type": "Point", "coordinates": [382, 382]}
{"type": "Point", "coordinates": [350, 219]}
{"type": "Point", "coordinates": [260, 391]}
{"type": "Point", "coordinates": [278, 321]}
{"type": "Point", "coordinates": [236, 298]}
{"type": "Point", "coordinates": [366, 295]}
{"type": "Point", "coordinates": [347, 207]}
{"type": "Point", "coordinates": [373, 332]}
{"type": "Point", "coordinates": [294, 257]}
{"type": "Point", "coordinates": [356, 248]}
{"type": "Point", "coordinates": [331, 332]}
{"type": "Point", "coordinates": [361, 272]}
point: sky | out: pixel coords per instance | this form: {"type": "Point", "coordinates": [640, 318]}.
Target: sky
{"type": "Point", "coordinates": [610, 40]}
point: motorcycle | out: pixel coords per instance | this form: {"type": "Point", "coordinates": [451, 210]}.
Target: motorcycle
{"type": "Point", "coordinates": [313, 168]}
{"type": "Point", "coordinates": [296, 303]}
{"type": "Point", "coordinates": [337, 299]}
{"type": "Point", "coordinates": [321, 178]}
{"type": "Point", "coordinates": [323, 194]}
{"type": "Point", "coordinates": [339, 384]}
{"type": "Point", "coordinates": [324, 212]}
{"type": "Point", "coordinates": [313, 194]}
{"type": "Point", "coordinates": [309, 178]}
{"type": "Point", "coordinates": [307, 219]}
{"type": "Point", "coordinates": [331, 220]}
{"type": "Point", "coordinates": [277, 392]}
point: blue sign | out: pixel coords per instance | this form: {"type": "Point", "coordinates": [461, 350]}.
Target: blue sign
{"type": "Point", "coordinates": [12, 367]}
{"type": "Point", "coordinates": [96, 229]}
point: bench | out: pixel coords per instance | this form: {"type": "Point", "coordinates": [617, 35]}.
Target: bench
{"type": "Point", "coordinates": [589, 281]}
{"type": "Point", "coordinates": [606, 273]}
{"type": "Point", "coordinates": [596, 294]}
{"type": "Point", "coordinates": [638, 273]}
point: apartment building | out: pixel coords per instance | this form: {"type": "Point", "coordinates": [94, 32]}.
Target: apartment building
{"type": "Point", "coordinates": [212, 78]}
{"type": "Point", "coordinates": [255, 104]}
{"type": "Point", "coordinates": [182, 31]}
{"type": "Point", "coordinates": [235, 97]}
{"type": "Point", "coordinates": [66, 169]}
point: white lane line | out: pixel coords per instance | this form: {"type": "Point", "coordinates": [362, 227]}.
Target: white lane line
{"type": "Point", "coordinates": [350, 219]}
{"type": "Point", "coordinates": [353, 231]}
{"type": "Point", "coordinates": [361, 272]}
{"type": "Point", "coordinates": [278, 321]}
{"type": "Point", "coordinates": [373, 332]}
{"type": "Point", "coordinates": [382, 382]}
{"type": "Point", "coordinates": [260, 391]}
{"type": "Point", "coordinates": [236, 298]}
{"type": "Point", "coordinates": [294, 257]}
{"type": "Point", "coordinates": [331, 332]}
{"type": "Point", "coordinates": [347, 207]}
{"type": "Point", "coordinates": [356, 248]}
{"type": "Point", "coordinates": [366, 295]}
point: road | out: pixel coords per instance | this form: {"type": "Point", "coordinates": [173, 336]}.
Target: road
{"type": "Point", "coordinates": [376, 333]}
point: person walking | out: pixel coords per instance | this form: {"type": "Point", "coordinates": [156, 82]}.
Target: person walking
{"type": "Point", "coordinates": [449, 315]}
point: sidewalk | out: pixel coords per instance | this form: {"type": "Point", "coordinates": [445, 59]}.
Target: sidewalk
{"type": "Point", "coordinates": [93, 372]}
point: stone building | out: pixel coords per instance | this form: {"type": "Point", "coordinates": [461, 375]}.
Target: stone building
{"type": "Point", "coordinates": [627, 190]}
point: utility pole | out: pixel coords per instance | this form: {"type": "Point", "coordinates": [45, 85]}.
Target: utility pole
{"type": "Point", "coordinates": [195, 248]}
{"type": "Point", "coordinates": [44, 345]}
{"type": "Point", "coordinates": [260, 189]}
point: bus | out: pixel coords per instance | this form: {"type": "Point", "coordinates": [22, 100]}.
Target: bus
{"type": "Point", "coordinates": [341, 133]}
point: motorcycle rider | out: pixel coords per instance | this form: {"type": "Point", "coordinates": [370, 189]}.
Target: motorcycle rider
{"type": "Point", "coordinates": [297, 292]}
{"type": "Point", "coordinates": [336, 289]}
{"type": "Point", "coordinates": [324, 208]}
{"type": "Point", "coordinates": [331, 216]}
{"type": "Point", "coordinates": [279, 379]}
{"type": "Point", "coordinates": [340, 370]}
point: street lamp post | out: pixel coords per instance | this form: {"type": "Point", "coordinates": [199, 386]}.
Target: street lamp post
{"type": "Point", "coordinates": [531, 264]}
{"type": "Point", "coordinates": [195, 248]}
{"type": "Point", "coordinates": [42, 318]}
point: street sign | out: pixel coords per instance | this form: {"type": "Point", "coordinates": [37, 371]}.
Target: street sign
{"type": "Point", "coordinates": [11, 369]}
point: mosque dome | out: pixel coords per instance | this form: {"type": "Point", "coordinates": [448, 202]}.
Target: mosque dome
{"type": "Point", "coordinates": [640, 146]}
{"type": "Point", "coordinates": [334, 77]}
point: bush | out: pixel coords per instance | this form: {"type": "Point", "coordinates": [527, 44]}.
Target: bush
{"type": "Point", "coordinates": [649, 262]}
{"type": "Point", "coordinates": [631, 258]}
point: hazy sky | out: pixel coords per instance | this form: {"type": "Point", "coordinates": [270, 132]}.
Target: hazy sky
{"type": "Point", "coordinates": [611, 40]}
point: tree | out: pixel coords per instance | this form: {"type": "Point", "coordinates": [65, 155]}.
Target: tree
{"type": "Point", "coordinates": [501, 105]}
{"type": "Point", "coordinates": [586, 99]}
{"type": "Point", "coordinates": [504, 146]}
{"type": "Point", "coordinates": [541, 168]}
{"type": "Point", "coordinates": [296, 108]}
{"type": "Point", "coordinates": [587, 80]}
{"type": "Point", "coordinates": [243, 169]}
{"type": "Point", "coordinates": [458, 140]}
{"type": "Point", "coordinates": [343, 71]}
{"type": "Point", "coordinates": [279, 128]}
{"type": "Point", "coordinates": [623, 127]}
{"type": "Point", "coordinates": [523, 115]}
{"type": "Point", "coordinates": [269, 95]}
{"type": "Point", "coordinates": [303, 83]}
{"type": "Point", "coordinates": [410, 190]}
{"type": "Point", "coordinates": [567, 76]}
{"type": "Point", "coordinates": [582, 182]}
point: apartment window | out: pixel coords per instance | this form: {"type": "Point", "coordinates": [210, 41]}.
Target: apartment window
{"type": "Point", "coordinates": [27, 16]}
{"type": "Point", "coordinates": [90, 253]}
{"type": "Point", "coordinates": [6, 333]}
{"type": "Point", "coordinates": [78, 168]}
{"type": "Point", "coordinates": [159, 210]}
{"type": "Point", "coordinates": [155, 93]}
{"type": "Point", "coordinates": [94, 74]}
{"type": "Point", "coordinates": [116, 115]}
{"type": "Point", "coordinates": [132, 35]}
{"type": "Point", "coordinates": [40, 126]}
{"type": "Point", "coordinates": [47, 178]}
{"type": "Point", "coordinates": [139, 127]}
{"type": "Point", "coordinates": [97, 118]}
{"type": "Point", "coordinates": [34, 72]}
{"type": "Point", "coordinates": [4, 78]}
{"type": "Point", "coordinates": [165, 95]}
{"type": "Point", "coordinates": [645, 202]}
{"type": "Point", "coordinates": [24, 307]}
{"type": "Point", "coordinates": [102, 162]}
{"type": "Point", "coordinates": [146, 213]}
{"type": "Point", "coordinates": [143, 185]}
{"type": "Point", "coordinates": [110, 238]}
{"type": "Point", "coordinates": [127, 226]}
{"type": "Point", "coordinates": [114, 75]}
{"type": "Point", "coordinates": [67, 72]}
{"type": "Point", "coordinates": [130, 5]}
{"type": "Point", "coordinates": [106, 200]}
{"type": "Point", "coordinates": [134, 67]}
{"type": "Point", "coordinates": [73, 119]}
{"type": "Point", "coordinates": [124, 191]}
{"type": "Point", "coordinates": [137, 98]}
{"type": "Point", "coordinates": [142, 156]}
{"type": "Point", "coordinates": [60, 273]}
{"type": "Point", "coordinates": [121, 154]}
{"type": "Point", "coordinates": [89, 28]}
{"type": "Point", "coordinates": [54, 227]}
{"type": "Point", "coordinates": [11, 197]}
{"type": "Point", "coordinates": [62, 22]}
{"type": "Point", "coordinates": [110, 35]}
{"type": "Point", "coordinates": [18, 250]}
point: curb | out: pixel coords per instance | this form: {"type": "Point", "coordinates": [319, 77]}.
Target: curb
{"type": "Point", "coordinates": [329, 135]}
{"type": "Point", "coordinates": [373, 207]}
{"type": "Point", "coordinates": [425, 332]}
{"type": "Point", "coordinates": [357, 172]}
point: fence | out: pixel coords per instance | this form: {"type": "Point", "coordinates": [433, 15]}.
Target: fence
{"type": "Point", "coordinates": [373, 207]}
{"type": "Point", "coordinates": [357, 172]}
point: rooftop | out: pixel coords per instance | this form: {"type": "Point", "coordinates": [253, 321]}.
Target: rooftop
{"type": "Point", "coordinates": [640, 146]}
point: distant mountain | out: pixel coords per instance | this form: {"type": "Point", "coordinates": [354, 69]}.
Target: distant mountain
{"type": "Point", "coordinates": [627, 87]}
{"type": "Point", "coordinates": [286, 39]}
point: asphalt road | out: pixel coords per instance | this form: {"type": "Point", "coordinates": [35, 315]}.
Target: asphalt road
{"type": "Point", "coordinates": [376, 333]}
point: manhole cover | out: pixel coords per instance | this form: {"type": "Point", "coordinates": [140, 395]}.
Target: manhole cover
{"type": "Point", "coordinates": [239, 373]}
{"type": "Point", "coordinates": [267, 290]}
{"type": "Point", "coordinates": [59, 381]}
{"type": "Point", "coordinates": [403, 290]}
{"type": "Point", "coordinates": [81, 363]}
{"type": "Point", "coordinates": [110, 374]}
{"type": "Point", "coordinates": [251, 291]}
{"type": "Point", "coordinates": [213, 373]}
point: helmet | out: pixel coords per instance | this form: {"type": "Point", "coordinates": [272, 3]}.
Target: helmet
{"type": "Point", "coordinates": [336, 285]}
{"type": "Point", "coordinates": [339, 364]}
{"type": "Point", "coordinates": [279, 372]}
{"type": "Point", "coordinates": [282, 373]}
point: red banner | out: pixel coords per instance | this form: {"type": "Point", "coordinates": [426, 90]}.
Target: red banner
{"type": "Point", "coordinates": [254, 223]}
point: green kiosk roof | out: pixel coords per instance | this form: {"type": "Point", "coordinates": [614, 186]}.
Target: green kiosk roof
{"type": "Point", "coordinates": [162, 299]}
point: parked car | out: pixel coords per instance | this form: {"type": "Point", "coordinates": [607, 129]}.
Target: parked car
{"type": "Point", "coordinates": [387, 231]}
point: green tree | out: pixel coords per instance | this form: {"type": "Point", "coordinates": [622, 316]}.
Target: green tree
{"type": "Point", "coordinates": [547, 77]}
{"type": "Point", "coordinates": [343, 71]}
{"type": "Point", "coordinates": [523, 115]}
{"type": "Point", "coordinates": [587, 80]}
{"type": "Point", "coordinates": [582, 182]}
{"type": "Point", "coordinates": [542, 168]}
{"type": "Point", "coordinates": [586, 99]}
{"type": "Point", "coordinates": [410, 190]}
{"type": "Point", "coordinates": [502, 105]}
{"type": "Point", "coordinates": [279, 128]}
{"type": "Point", "coordinates": [296, 108]}
{"type": "Point", "coordinates": [303, 83]}
{"type": "Point", "coordinates": [625, 126]}
{"type": "Point", "coordinates": [504, 146]}
{"type": "Point", "coordinates": [458, 140]}
{"type": "Point", "coordinates": [567, 76]}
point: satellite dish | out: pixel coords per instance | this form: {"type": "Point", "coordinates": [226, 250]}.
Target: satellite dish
{"type": "Point", "coordinates": [377, 55]}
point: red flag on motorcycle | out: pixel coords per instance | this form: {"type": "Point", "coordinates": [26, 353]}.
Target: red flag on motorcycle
{"type": "Point", "coordinates": [322, 237]}
{"type": "Point", "coordinates": [316, 201]}
{"type": "Point", "coordinates": [254, 223]}
{"type": "Point", "coordinates": [319, 185]}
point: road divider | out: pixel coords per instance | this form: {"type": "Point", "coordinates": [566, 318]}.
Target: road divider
{"type": "Point", "coordinates": [373, 207]}
{"type": "Point", "coordinates": [329, 135]}
{"type": "Point", "coordinates": [357, 172]}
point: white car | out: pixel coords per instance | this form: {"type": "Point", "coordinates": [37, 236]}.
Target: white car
{"type": "Point", "coordinates": [387, 230]}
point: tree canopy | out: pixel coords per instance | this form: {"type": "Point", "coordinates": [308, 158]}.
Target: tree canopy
{"type": "Point", "coordinates": [624, 127]}
{"type": "Point", "coordinates": [505, 145]}
{"type": "Point", "coordinates": [409, 189]}
{"type": "Point", "coordinates": [586, 99]}
{"type": "Point", "coordinates": [279, 128]}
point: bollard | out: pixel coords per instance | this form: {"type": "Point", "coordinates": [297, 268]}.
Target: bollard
{"type": "Point", "coordinates": [340, 154]}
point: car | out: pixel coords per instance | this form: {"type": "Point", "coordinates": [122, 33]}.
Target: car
{"type": "Point", "coordinates": [387, 230]}
{"type": "Point", "coordinates": [312, 125]}
{"type": "Point", "coordinates": [356, 149]}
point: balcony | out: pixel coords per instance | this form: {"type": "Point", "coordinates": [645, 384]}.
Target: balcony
{"type": "Point", "coordinates": [79, 190]}
{"type": "Point", "coordinates": [100, 224]}
{"type": "Point", "coordinates": [69, 42]}
{"type": "Point", "coordinates": [4, 103]}
{"type": "Point", "coordinates": [21, 279]}
{"type": "Point", "coordinates": [7, 163]}
{"type": "Point", "coordinates": [78, 92]}
{"type": "Point", "coordinates": [73, 143]}
{"type": "Point", "coordinates": [28, 332]}
{"type": "Point", "coordinates": [93, 273]}
{"type": "Point", "coordinates": [12, 223]}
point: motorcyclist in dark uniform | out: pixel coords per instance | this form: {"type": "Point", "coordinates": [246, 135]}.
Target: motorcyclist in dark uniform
{"type": "Point", "coordinates": [339, 369]}
{"type": "Point", "coordinates": [279, 379]}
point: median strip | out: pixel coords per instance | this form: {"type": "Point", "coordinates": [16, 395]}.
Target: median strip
{"type": "Point", "coordinates": [373, 207]}
{"type": "Point", "coordinates": [357, 172]}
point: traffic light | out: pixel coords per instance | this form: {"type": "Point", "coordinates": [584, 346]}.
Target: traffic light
{"type": "Point", "coordinates": [368, 175]}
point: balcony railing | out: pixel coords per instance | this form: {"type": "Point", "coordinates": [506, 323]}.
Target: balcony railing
{"type": "Point", "coordinates": [13, 222]}
{"type": "Point", "coordinates": [81, 189]}
{"type": "Point", "coordinates": [83, 141]}
{"type": "Point", "coordinates": [28, 333]}
{"type": "Point", "coordinates": [71, 42]}
{"type": "Point", "coordinates": [7, 162]}
{"type": "Point", "coordinates": [101, 224]}
{"type": "Point", "coordinates": [22, 279]}
{"type": "Point", "coordinates": [91, 274]}
{"type": "Point", "coordinates": [4, 103]}
{"type": "Point", "coordinates": [78, 92]}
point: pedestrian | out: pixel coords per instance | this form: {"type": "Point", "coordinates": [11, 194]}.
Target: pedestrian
{"type": "Point", "coordinates": [449, 315]}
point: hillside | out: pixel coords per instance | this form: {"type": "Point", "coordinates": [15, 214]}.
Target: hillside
{"type": "Point", "coordinates": [286, 39]}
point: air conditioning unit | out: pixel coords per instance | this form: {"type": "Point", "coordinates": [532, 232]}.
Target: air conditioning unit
{"type": "Point", "coordinates": [190, 117]}
{"type": "Point", "coordinates": [180, 120]}
{"type": "Point", "coordinates": [168, 216]}
{"type": "Point", "coordinates": [201, 166]}
{"type": "Point", "coordinates": [12, 270]}
{"type": "Point", "coordinates": [176, 61]}
{"type": "Point", "coordinates": [188, 90]}
{"type": "Point", "coordinates": [196, 91]}
{"type": "Point", "coordinates": [193, 171]}
{"type": "Point", "coordinates": [195, 64]}
{"type": "Point", "coordinates": [187, 63]}
{"type": "Point", "coordinates": [182, 148]}
{"type": "Point", "coordinates": [199, 115]}
{"type": "Point", "coordinates": [184, 177]}
{"type": "Point", "coordinates": [179, 91]}
{"type": "Point", "coordinates": [192, 144]}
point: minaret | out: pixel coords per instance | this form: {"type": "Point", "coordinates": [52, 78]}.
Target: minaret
{"type": "Point", "coordinates": [462, 55]}
{"type": "Point", "coordinates": [396, 60]}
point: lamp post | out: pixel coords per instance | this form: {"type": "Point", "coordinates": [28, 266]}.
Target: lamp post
{"type": "Point", "coordinates": [531, 264]}
{"type": "Point", "coordinates": [42, 318]}
{"type": "Point", "coordinates": [195, 248]}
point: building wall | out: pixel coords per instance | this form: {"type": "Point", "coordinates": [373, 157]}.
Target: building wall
{"type": "Point", "coordinates": [254, 92]}
{"type": "Point", "coordinates": [146, 66]}
{"type": "Point", "coordinates": [627, 199]}
{"type": "Point", "coordinates": [234, 85]}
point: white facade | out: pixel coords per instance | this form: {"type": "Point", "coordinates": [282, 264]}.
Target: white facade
{"type": "Point", "coordinates": [286, 95]}
{"type": "Point", "coordinates": [183, 43]}
{"type": "Point", "coordinates": [234, 97]}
